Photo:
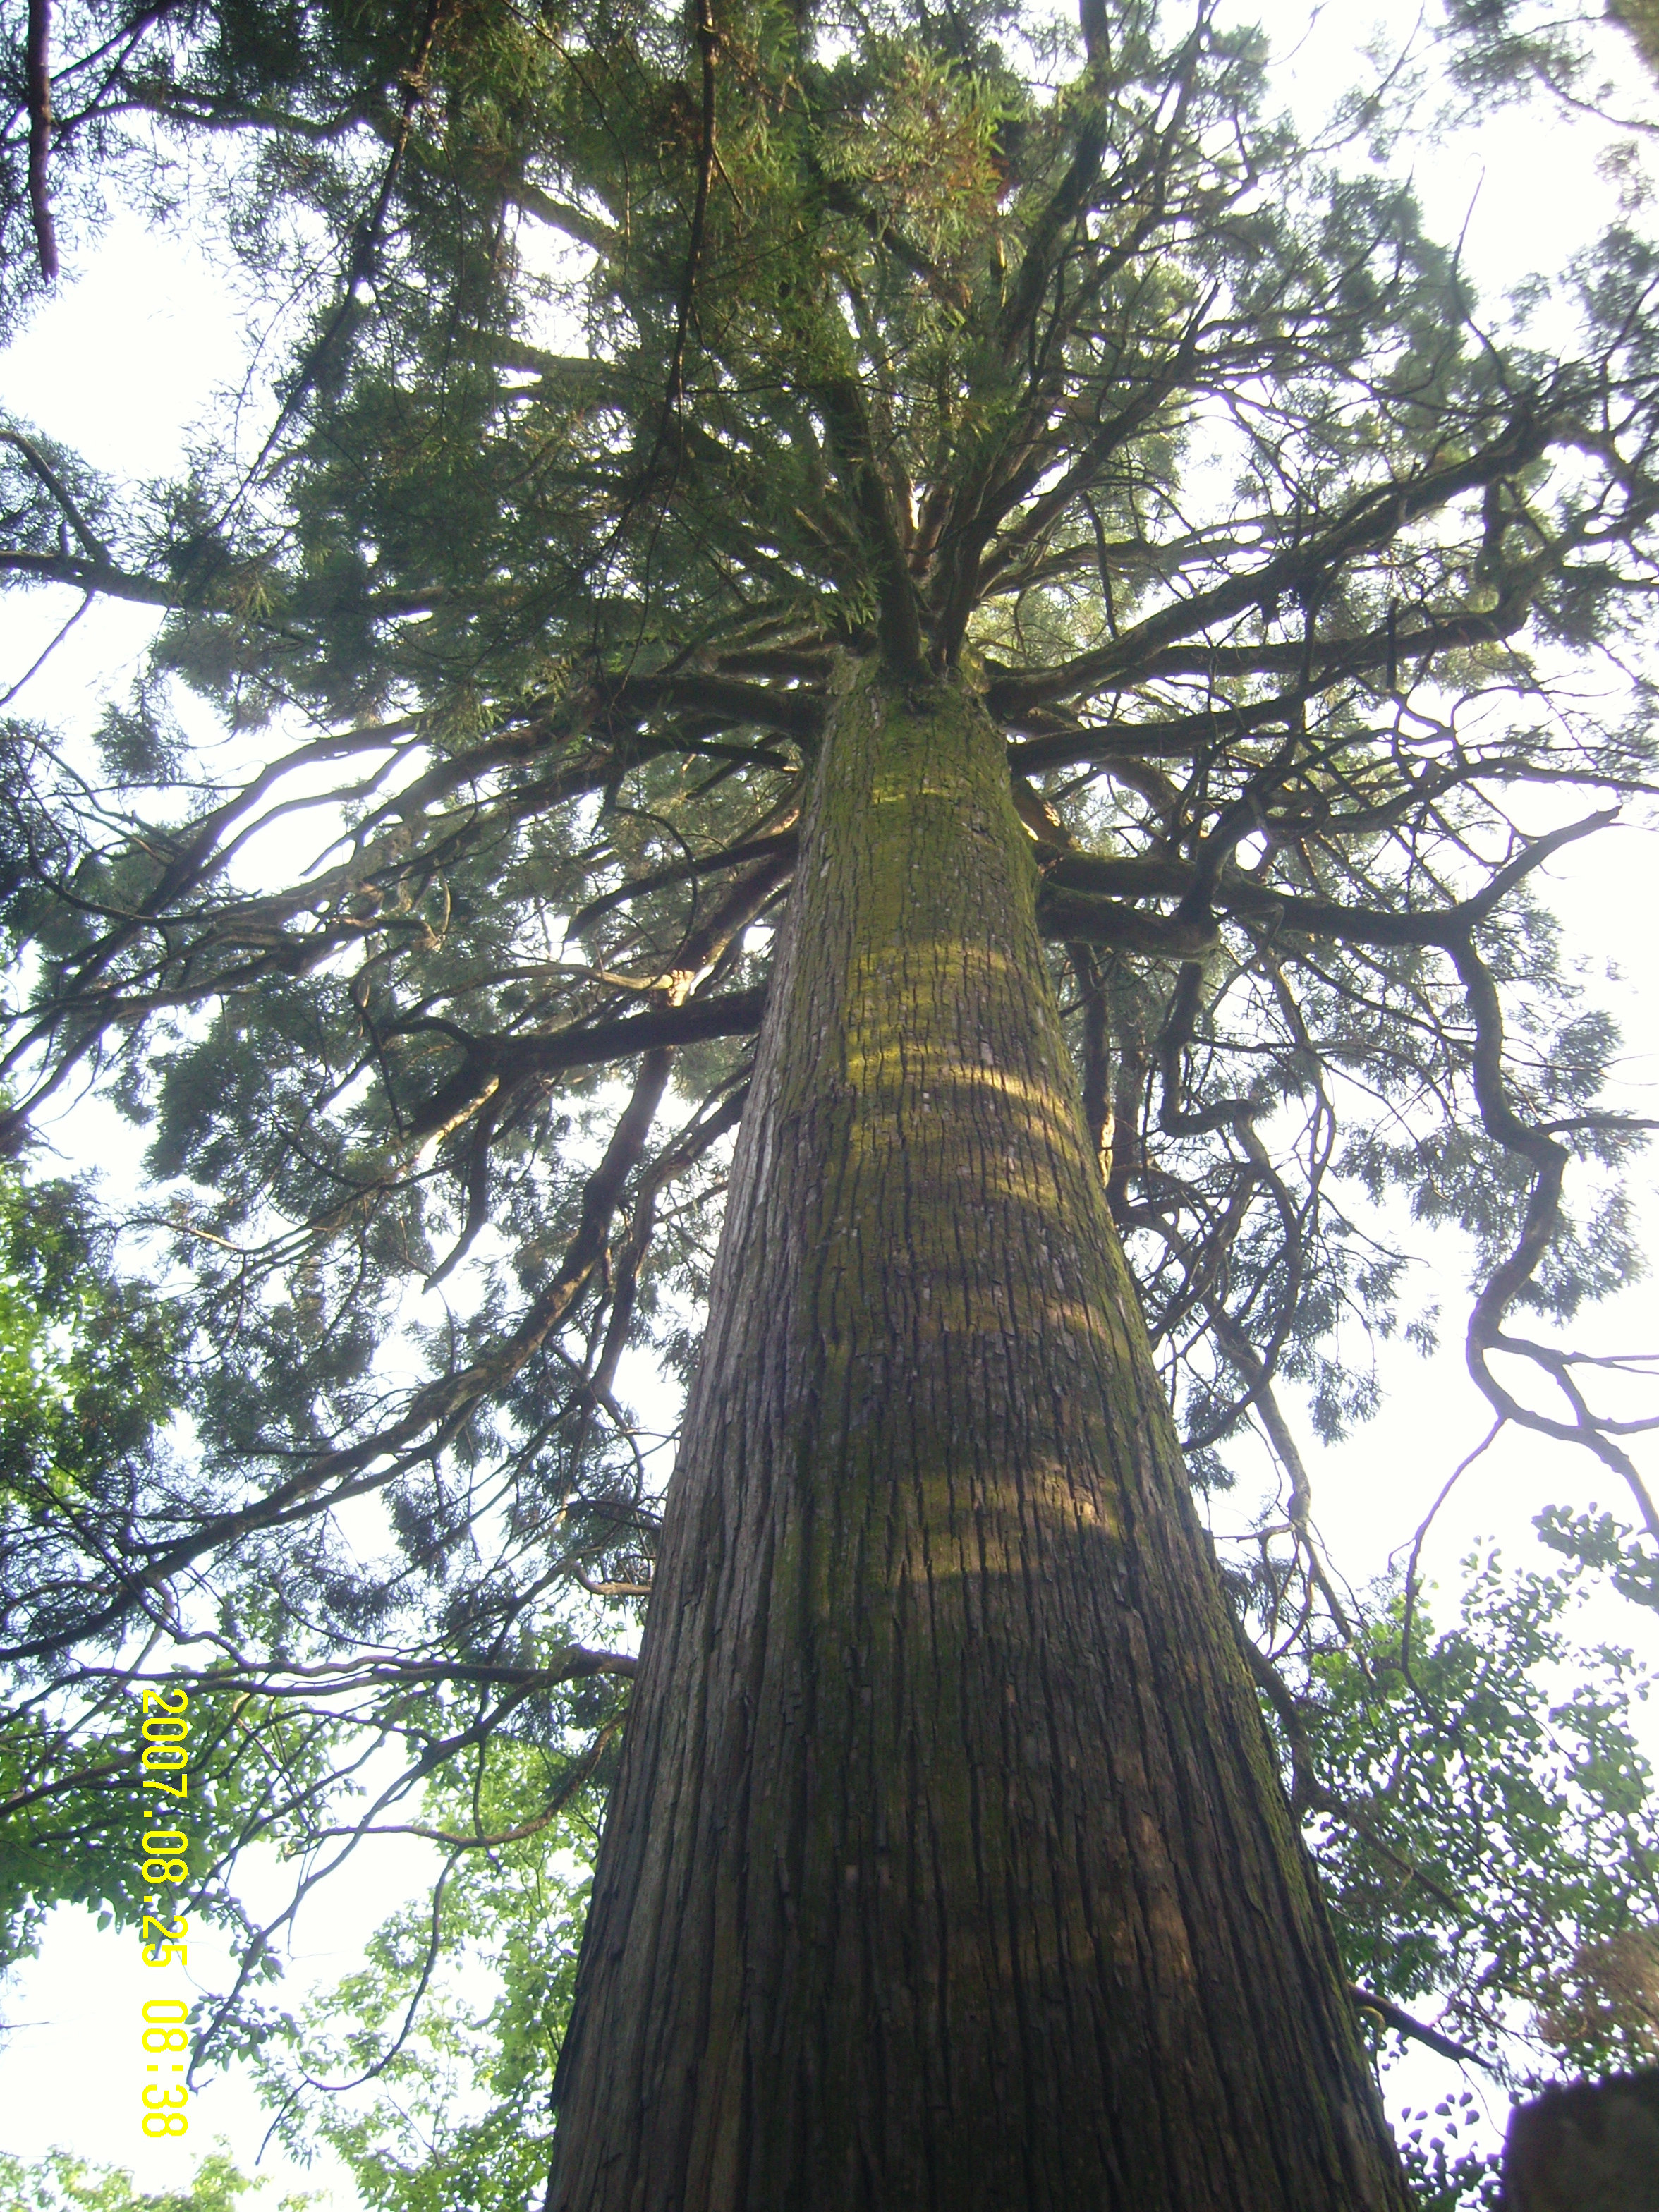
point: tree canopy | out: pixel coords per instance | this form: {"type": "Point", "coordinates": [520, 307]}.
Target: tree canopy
{"type": "Point", "coordinates": [622, 378]}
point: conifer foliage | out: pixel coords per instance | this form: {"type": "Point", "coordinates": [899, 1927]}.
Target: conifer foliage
{"type": "Point", "coordinates": [655, 382]}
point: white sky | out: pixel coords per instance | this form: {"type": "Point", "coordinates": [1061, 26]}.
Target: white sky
{"type": "Point", "coordinates": [125, 357]}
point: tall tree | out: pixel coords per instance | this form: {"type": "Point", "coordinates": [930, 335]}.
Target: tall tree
{"type": "Point", "coordinates": [910, 535]}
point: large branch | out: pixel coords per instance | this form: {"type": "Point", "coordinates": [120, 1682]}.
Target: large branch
{"type": "Point", "coordinates": [86, 1004]}
{"type": "Point", "coordinates": [1057, 741]}
{"type": "Point", "coordinates": [102, 577]}
{"type": "Point", "coordinates": [493, 1063]}
{"type": "Point", "coordinates": [727, 700]}
{"type": "Point", "coordinates": [898, 616]}
{"type": "Point", "coordinates": [1081, 894]}
{"type": "Point", "coordinates": [1406, 2024]}
{"type": "Point", "coordinates": [780, 843]}
{"type": "Point", "coordinates": [950, 291]}
{"type": "Point", "coordinates": [1150, 648]}
{"type": "Point", "coordinates": [433, 1416]}
{"type": "Point", "coordinates": [1548, 1157]}
{"type": "Point", "coordinates": [38, 67]}
{"type": "Point", "coordinates": [1070, 197]}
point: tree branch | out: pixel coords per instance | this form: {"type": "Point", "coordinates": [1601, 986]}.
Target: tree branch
{"type": "Point", "coordinates": [1405, 2023]}
{"type": "Point", "coordinates": [37, 66]}
{"type": "Point", "coordinates": [1075, 901]}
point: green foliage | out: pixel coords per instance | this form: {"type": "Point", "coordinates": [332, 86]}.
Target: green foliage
{"type": "Point", "coordinates": [88, 1360]}
{"type": "Point", "coordinates": [1443, 2175]}
{"type": "Point", "coordinates": [1486, 1817]}
{"type": "Point", "coordinates": [62, 2183]}
{"type": "Point", "coordinates": [93, 1370]}
{"type": "Point", "coordinates": [89, 1377]}
{"type": "Point", "coordinates": [449, 2108]}
{"type": "Point", "coordinates": [1598, 1540]}
{"type": "Point", "coordinates": [1641, 19]}
{"type": "Point", "coordinates": [1505, 48]}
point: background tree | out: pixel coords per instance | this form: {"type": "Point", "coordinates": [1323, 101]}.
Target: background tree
{"type": "Point", "coordinates": [440, 2053]}
{"type": "Point", "coordinates": [1503, 45]}
{"type": "Point", "coordinates": [60, 2183]}
{"type": "Point", "coordinates": [656, 386]}
{"type": "Point", "coordinates": [87, 1381]}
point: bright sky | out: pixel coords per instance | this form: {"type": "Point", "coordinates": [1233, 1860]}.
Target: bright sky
{"type": "Point", "coordinates": [126, 356]}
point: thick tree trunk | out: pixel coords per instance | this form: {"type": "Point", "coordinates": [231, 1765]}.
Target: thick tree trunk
{"type": "Point", "coordinates": [948, 1865]}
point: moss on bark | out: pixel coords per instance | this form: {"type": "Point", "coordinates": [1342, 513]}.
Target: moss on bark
{"type": "Point", "coordinates": [948, 1865]}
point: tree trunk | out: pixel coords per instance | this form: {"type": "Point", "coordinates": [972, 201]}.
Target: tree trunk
{"type": "Point", "coordinates": [948, 1865]}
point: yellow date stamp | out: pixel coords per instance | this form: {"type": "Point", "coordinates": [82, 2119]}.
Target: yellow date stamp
{"type": "Point", "coordinates": [164, 1765]}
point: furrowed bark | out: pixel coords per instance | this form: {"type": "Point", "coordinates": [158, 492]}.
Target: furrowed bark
{"type": "Point", "coordinates": [948, 1865]}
